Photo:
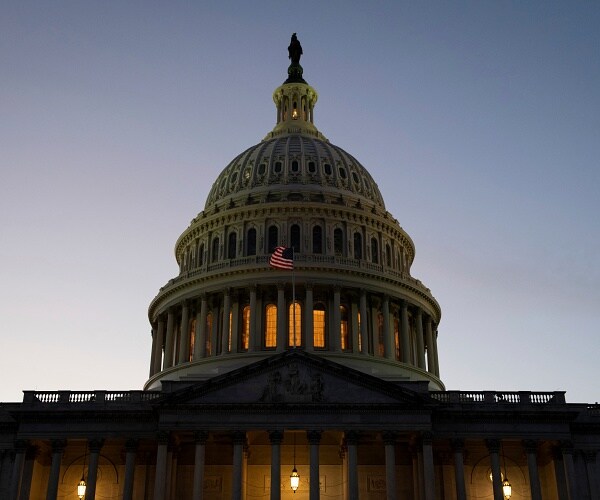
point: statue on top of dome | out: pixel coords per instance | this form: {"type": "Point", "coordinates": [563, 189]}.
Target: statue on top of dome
{"type": "Point", "coordinates": [295, 50]}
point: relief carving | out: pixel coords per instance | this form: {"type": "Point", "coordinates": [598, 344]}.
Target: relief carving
{"type": "Point", "coordinates": [295, 385]}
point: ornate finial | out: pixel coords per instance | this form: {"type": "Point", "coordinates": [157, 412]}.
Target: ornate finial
{"type": "Point", "coordinates": [295, 70]}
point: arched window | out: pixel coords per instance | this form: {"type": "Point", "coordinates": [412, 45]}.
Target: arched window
{"type": "Point", "coordinates": [295, 238]}
{"type": "Point", "coordinates": [319, 326]}
{"type": "Point", "coordinates": [374, 251]}
{"type": "Point", "coordinates": [215, 250]}
{"type": "Point", "coordinates": [273, 237]}
{"type": "Point", "coordinates": [232, 245]}
{"type": "Point", "coordinates": [245, 336]}
{"type": "Point", "coordinates": [338, 242]}
{"type": "Point", "coordinates": [317, 239]}
{"type": "Point", "coordinates": [230, 334]}
{"type": "Point", "coordinates": [271, 326]}
{"type": "Point", "coordinates": [201, 255]}
{"type": "Point", "coordinates": [380, 339]}
{"type": "Point", "coordinates": [358, 246]}
{"type": "Point", "coordinates": [359, 334]}
{"type": "Point", "coordinates": [344, 330]}
{"type": "Point", "coordinates": [251, 242]}
{"type": "Point", "coordinates": [209, 327]}
{"type": "Point", "coordinates": [388, 255]}
{"type": "Point", "coordinates": [295, 325]}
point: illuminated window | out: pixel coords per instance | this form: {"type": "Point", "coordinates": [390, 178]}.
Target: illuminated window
{"type": "Point", "coordinates": [344, 333]}
{"type": "Point", "coordinates": [388, 256]}
{"type": "Point", "coordinates": [319, 326]}
{"type": "Point", "coordinates": [209, 326]}
{"type": "Point", "coordinates": [245, 337]}
{"type": "Point", "coordinates": [338, 242]}
{"type": "Point", "coordinates": [251, 242]}
{"type": "Point", "coordinates": [380, 340]}
{"type": "Point", "coordinates": [271, 326]}
{"type": "Point", "coordinates": [192, 339]}
{"type": "Point", "coordinates": [295, 339]}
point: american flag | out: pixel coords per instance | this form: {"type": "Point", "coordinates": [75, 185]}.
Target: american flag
{"type": "Point", "coordinates": [282, 258]}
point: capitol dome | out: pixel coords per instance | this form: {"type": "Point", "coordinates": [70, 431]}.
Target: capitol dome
{"type": "Point", "coordinates": [350, 298]}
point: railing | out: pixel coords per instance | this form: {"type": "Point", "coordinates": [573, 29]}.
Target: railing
{"type": "Point", "coordinates": [91, 397]}
{"type": "Point", "coordinates": [520, 398]}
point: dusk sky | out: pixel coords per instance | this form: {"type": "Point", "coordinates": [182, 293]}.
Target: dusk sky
{"type": "Point", "coordinates": [480, 122]}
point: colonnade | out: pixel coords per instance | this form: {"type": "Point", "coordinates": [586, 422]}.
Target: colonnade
{"type": "Point", "coordinates": [353, 321]}
{"type": "Point", "coordinates": [16, 468]}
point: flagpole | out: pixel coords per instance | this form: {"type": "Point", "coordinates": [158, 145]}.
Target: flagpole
{"type": "Point", "coordinates": [293, 297]}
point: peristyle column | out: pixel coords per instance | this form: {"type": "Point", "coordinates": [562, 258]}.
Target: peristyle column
{"type": "Point", "coordinates": [168, 362]}
{"type": "Point", "coordinates": [275, 437]}
{"type": "Point", "coordinates": [405, 332]}
{"type": "Point", "coordinates": [239, 438]}
{"type": "Point", "coordinates": [352, 447]}
{"type": "Point", "coordinates": [389, 440]}
{"type": "Point", "coordinates": [534, 479]}
{"type": "Point", "coordinates": [184, 340]}
{"type": "Point", "coordinates": [58, 447]}
{"type": "Point", "coordinates": [314, 438]}
{"type": "Point", "coordinates": [199, 460]}
{"type": "Point", "coordinates": [94, 446]}
{"type": "Point", "coordinates": [420, 342]}
{"type": "Point", "coordinates": [226, 323]}
{"type": "Point", "coordinates": [130, 453]}
{"type": "Point", "coordinates": [493, 446]}
{"type": "Point", "coordinates": [160, 479]}
{"type": "Point", "coordinates": [459, 468]}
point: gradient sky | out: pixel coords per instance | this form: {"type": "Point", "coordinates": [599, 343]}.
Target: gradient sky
{"type": "Point", "coordinates": [480, 122]}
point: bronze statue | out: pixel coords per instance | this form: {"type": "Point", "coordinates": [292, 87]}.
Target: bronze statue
{"type": "Point", "coordinates": [295, 50]}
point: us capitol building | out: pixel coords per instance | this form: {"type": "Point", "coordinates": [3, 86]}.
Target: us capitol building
{"type": "Point", "coordinates": [317, 382]}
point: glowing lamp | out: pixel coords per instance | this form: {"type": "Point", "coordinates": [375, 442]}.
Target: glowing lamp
{"type": "Point", "coordinates": [294, 479]}
{"type": "Point", "coordinates": [81, 488]}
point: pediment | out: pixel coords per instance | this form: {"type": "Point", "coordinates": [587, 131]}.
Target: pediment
{"type": "Point", "coordinates": [296, 377]}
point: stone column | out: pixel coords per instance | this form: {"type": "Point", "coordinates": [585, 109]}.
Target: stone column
{"type": "Point", "coordinates": [344, 457]}
{"type": "Point", "coordinates": [239, 439]}
{"type": "Point", "coordinates": [459, 468]}
{"type": "Point", "coordinates": [314, 438]}
{"type": "Point", "coordinates": [352, 444]}
{"type": "Point", "coordinates": [160, 479]}
{"type": "Point", "coordinates": [567, 452]}
{"type": "Point", "coordinates": [364, 341]}
{"type": "Point", "coordinates": [534, 479]}
{"type": "Point", "coordinates": [226, 324]}
{"type": "Point", "coordinates": [559, 473]}
{"type": "Point", "coordinates": [154, 334]}
{"type": "Point", "coordinates": [430, 352]}
{"type": "Point", "coordinates": [130, 452]}
{"type": "Point", "coordinates": [416, 477]}
{"type": "Point", "coordinates": [27, 474]}
{"type": "Point", "coordinates": [493, 446]}
{"type": "Point", "coordinates": [6, 466]}
{"type": "Point", "coordinates": [435, 354]}
{"type": "Point", "coordinates": [389, 440]}
{"type": "Point", "coordinates": [308, 319]}
{"type": "Point", "coordinates": [58, 447]}
{"type": "Point", "coordinates": [428, 470]}
{"type": "Point", "coordinates": [160, 340]}
{"type": "Point", "coordinates": [336, 334]}
{"type": "Point", "coordinates": [281, 318]}
{"type": "Point", "coordinates": [245, 471]}
{"type": "Point", "coordinates": [235, 324]}
{"type": "Point", "coordinates": [388, 331]}
{"type": "Point", "coordinates": [184, 340]}
{"type": "Point", "coordinates": [172, 472]}
{"type": "Point", "coordinates": [275, 437]}
{"type": "Point", "coordinates": [94, 445]}
{"type": "Point", "coordinates": [419, 335]}
{"type": "Point", "coordinates": [168, 362]}
{"type": "Point", "coordinates": [355, 331]}
{"type": "Point", "coordinates": [590, 463]}
{"type": "Point", "coordinates": [253, 340]}
{"type": "Point", "coordinates": [214, 334]}
{"type": "Point", "coordinates": [200, 332]}
{"type": "Point", "coordinates": [404, 332]}
{"type": "Point", "coordinates": [17, 469]}
{"type": "Point", "coordinates": [199, 460]}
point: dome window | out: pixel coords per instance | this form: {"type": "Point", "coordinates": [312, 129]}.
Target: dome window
{"type": "Point", "coordinates": [355, 178]}
{"type": "Point", "coordinates": [262, 169]}
{"type": "Point", "coordinates": [278, 167]}
{"type": "Point", "coordinates": [342, 172]}
{"type": "Point", "coordinates": [247, 173]}
{"type": "Point", "coordinates": [295, 166]}
{"type": "Point", "coordinates": [327, 168]}
{"type": "Point", "coordinates": [294, 110]}
{"type": "Point", "coordinates": [338, 242]}
{"type": "Point", "coordinates": [312, 167]}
